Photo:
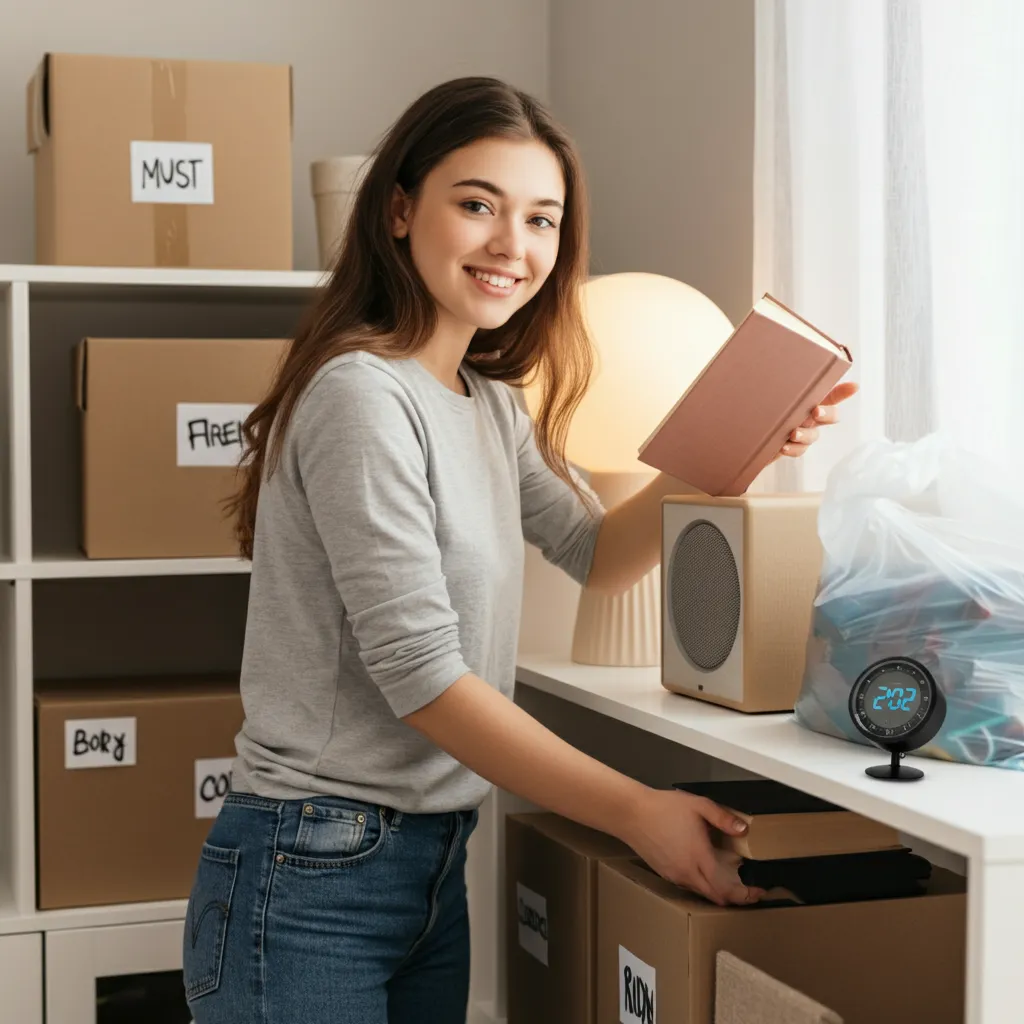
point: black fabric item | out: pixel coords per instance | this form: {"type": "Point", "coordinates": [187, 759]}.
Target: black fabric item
{"type": "Point", "coordinates": [843, 878]}
{"type": "Point", "coordinates": [758, 796]}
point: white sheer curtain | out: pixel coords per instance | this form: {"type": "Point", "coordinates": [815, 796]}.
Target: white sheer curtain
{"type": "Point", "coordinates": [889, 175]}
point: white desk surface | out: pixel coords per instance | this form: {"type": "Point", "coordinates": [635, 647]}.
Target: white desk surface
{"type": "Point", "coordinates": [976, 812]}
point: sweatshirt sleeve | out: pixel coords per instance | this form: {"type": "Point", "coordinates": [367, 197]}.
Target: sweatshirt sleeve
{"type": "Point", "coordinates": [363, 469]}
{"type": "Point", "coordinates": [554, 519]}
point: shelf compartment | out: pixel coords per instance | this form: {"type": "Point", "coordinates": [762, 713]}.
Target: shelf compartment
{"type": "Point", "coordinates": [139, 626]}
{"type": "Point", "coordinates": [77, 960]}
{"type": "Point", "coordinates": [59, 322]}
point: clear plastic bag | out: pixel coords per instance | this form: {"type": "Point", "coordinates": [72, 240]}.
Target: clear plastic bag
{"type": "Point", "coordinates": [923, 557]}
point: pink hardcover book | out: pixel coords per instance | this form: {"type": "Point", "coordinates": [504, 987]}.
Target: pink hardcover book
{"type": "Point", "coordinates": [762, 383]}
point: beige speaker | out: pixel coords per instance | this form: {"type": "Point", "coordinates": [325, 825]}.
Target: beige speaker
{"type": "Point", "coordinates": [739, 577]}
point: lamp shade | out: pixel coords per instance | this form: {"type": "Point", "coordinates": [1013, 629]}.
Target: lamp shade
{"type": "Point", "coordinates": [652, 336]}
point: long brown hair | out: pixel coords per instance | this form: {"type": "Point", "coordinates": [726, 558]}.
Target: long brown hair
{"type": "Point", "coordinates": [375, 301]}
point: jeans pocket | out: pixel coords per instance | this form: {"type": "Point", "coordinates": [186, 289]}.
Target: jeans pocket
{"type": "Point", "coordinates": [331, 831]}
{"type": "Point", "coordinates": [331, 836]}
{"type": "Point", "coordinates": [206, 922]}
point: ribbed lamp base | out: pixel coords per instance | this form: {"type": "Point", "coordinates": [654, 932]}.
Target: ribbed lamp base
{"type": "Point", "coordinates": [624, 629]}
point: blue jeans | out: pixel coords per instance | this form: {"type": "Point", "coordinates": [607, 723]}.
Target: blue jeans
{"type": "Point", "coordinates": [329, 911]}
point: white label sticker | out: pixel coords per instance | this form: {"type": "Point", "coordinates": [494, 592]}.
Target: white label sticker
{"type": "Point", "coordinates": [99, 743]}
{"type": "Point", "coordinates": [210, 434]}
{"type": "Point", "coordinates": [636, 990]}
{"type": "Point", "coordinates": [172, 172]}
{"type": "Point", "coordinates": [213, 780]}
{"type": "Point", "coordinates": [533, 923]}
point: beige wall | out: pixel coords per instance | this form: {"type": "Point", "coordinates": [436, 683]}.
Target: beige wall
{"type": "Point", "coordinates": [356, 65]}
{"type": "Point", "coordinates": [659, 95]}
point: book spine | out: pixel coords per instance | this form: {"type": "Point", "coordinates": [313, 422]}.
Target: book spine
{"type": "Point", "coordinates": [761, 454]}
{"type": "Point", "coordinates": [792, 312]}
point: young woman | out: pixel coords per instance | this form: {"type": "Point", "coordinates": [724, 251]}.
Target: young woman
{"type": "Point", "coordinates": [391, 479]}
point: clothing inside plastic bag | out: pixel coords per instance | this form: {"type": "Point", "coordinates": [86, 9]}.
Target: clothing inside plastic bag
{"type": "Point", "coordinates": [923, 558]}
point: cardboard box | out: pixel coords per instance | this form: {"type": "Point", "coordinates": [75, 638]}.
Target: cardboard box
{"type": "Point", "coordinates": [161, 163]}
{"type": "Point", "coordinates": [161, 439]}
{"type": "Point", "coordinates": [551, 899]}
{"type": "Point", "coordinates": [873, 962]}
{"type": "Point", "coordinates": [129, 776]}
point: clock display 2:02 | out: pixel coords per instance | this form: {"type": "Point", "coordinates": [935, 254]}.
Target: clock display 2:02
{"type": "Point", "coordinates": [894, 699]}
{"type": "Point", "coordinates": [890, 706]}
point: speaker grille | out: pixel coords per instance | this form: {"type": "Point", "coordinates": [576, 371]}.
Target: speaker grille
{"type": "Point", "coordinates": [704, 595]}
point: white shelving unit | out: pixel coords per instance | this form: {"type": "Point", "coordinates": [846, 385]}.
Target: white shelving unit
{"type": "Point", "coordinates": [21, 978]}
{"type": "Point", "coordinates": [57, 568]}
{"type": "Point", "coordinates": [62, 614]}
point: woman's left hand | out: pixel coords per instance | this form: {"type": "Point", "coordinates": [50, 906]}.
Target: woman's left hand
{"type": "Point", "coordinates": [824, 414]}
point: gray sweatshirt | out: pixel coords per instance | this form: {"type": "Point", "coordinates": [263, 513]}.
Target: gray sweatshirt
{"type": "Point", "coordinates": [388, 562]}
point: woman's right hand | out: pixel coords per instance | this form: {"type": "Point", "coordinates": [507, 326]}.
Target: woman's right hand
{"type": "Point", "coordinates": [669, 831]}
{"type": "Point", "coordinates": [488, 733]}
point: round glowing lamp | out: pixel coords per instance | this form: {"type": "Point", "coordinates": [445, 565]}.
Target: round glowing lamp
{"type": "Point", "coordinates": [652, 336]}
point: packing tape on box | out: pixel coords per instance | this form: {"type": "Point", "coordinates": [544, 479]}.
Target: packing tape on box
{"type": "Point", "coordinates": [35, 121]}
{"type": "Point", "coordinates": [170, 220]}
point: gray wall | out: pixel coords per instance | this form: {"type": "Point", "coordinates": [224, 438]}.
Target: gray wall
{"type": "Point", "coordinates": [659, 94]}
{"type": "Point", "coordinates": [357, 64]}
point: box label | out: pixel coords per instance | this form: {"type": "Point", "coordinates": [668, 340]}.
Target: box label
{"type": "Point", "coordinates": [99, 743]}
{"type": "Point", "coordinates": [533, 923]}
{"type": "Point", "coordinates": [213, 780]}
{"type": "Point", "coordinates": [172, 172]}
{"type": "Point", "coordinates": [210, 434]}
{"type": "Point", "coordinates": [636, 990]}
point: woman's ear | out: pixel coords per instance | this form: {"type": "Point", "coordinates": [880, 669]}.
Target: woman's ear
{"type": "Point", "coordinates": [401, 211]}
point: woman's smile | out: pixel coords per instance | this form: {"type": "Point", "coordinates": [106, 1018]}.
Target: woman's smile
{"type": "Point", "coordinates": [494, 284]}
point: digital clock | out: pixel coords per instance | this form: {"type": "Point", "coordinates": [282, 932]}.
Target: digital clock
{"type": "Point", "coordinates": [897, 704]}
